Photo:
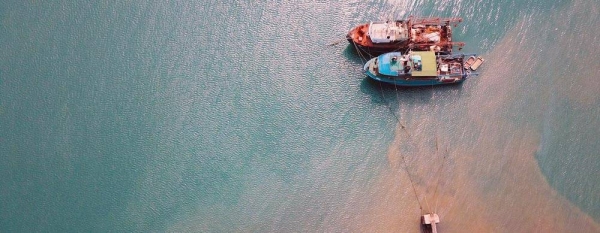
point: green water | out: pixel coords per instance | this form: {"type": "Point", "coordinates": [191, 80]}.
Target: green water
{"type": "Point", "coordinates": [226, 116]}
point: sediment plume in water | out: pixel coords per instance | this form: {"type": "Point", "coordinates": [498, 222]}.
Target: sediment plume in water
{"type": "Point", "coordinates": [492, 183]}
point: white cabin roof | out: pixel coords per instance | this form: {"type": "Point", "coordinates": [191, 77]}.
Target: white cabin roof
{"type": "Point", "coordinates": [385, 32]}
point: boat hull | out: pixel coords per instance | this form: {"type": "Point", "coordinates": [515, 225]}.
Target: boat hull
{"type": "Point", "coordinates": [410, 81]}
{"type": "Point", "coordinates": [379, 49]}
{"type": "Point", "coordinates": [360, 39]}
{"type": "Point", "coordinates": [413, 82]}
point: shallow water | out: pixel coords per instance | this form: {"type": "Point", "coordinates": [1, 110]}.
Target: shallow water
{"type": "Point", "coordinates": [221, 116]}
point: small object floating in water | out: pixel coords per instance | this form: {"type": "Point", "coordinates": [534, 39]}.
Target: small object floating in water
{"type": "Point", "coordinates": [336, 42]}
{"type": "Point", "coordinates": [418, 68]}
{"type": "Point", "coordinates": [477, 63]}
{"type": "Point", "coordinates": [431, 219]}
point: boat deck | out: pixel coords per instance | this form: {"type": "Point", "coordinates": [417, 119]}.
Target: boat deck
{"type": "Point", "coordinates": [428, 64]}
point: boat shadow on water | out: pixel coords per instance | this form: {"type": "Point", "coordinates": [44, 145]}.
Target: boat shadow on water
{"type": "Point", "coordinates": [354, 56]}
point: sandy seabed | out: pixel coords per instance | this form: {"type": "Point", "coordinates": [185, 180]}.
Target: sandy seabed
{"type": "Point", "coordinates": [492, 183]}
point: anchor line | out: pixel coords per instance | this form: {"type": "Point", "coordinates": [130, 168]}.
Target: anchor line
{"type": "Point", "coordinates": [439, 176]}
{"type": "Point", "coordinates": [391, 110]}
{"type": "Point", "coordinates": [405, 163]}
{"type": "Point", "coordinates": [446, 155]}
{"type": "Point", "coordinates": [334, 43]}
{"type": "Point", "coordinates": [401, 155]}
{"type": "Point", "coordinates": [412, 184]}
{"type": "Point", "coordinates": [360, 53]}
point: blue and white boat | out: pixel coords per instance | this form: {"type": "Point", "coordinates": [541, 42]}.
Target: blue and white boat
{"type": "Point", "coordinates": [419, 68]}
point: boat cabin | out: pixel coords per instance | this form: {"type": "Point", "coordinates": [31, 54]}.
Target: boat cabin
{"type": "Point", "coordinates": [416, 64]}
{"type": "Point", "coordinates": [386, 32]}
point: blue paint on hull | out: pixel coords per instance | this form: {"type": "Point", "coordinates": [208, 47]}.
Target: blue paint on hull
{"type": "Point", "coordinates": [410, 82]}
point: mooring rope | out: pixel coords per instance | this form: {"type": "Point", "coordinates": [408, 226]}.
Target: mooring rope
{"type": "Point", "coordinates": [360, 51]}
{"type": "Point", "coordinates": [363, 59]}
{"type": "Point", "coordinates": [412, 183]}
{"type": "Point", "coordinates": [439, 177]}
{"type": "Point", "coordinates": [389, 106]}
{"type": "Point", "coordinates": [439, 172]}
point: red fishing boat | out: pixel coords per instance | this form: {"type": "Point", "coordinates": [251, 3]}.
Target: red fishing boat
{"type": "Point", "coordinates": [420, 34]}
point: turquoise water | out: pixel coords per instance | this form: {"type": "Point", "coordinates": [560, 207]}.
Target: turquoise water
{"type": "Point", "coordinates": [227, 116]}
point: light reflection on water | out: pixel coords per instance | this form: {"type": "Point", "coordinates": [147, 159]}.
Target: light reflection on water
{"type": "Point", "coordinates": [241, 117]}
